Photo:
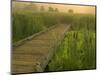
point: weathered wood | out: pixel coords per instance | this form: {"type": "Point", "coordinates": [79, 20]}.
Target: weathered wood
{"type": "Point", "coordinates": [33, 55]}
{"type": "Point", "coordinates": [31, 37]}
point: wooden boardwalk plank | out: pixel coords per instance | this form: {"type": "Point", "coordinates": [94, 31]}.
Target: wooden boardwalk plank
{"type": "Point", "coordinates": [34, 54]}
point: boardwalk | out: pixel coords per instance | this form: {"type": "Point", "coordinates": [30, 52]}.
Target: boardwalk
{"type": "Point", "coordinates": [33, 55]}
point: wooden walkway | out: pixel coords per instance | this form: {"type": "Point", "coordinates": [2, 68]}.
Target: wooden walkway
{"type": "Point", "coordinates": [34, 54]}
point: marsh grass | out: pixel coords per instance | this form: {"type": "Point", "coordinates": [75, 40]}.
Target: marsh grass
{"type": "Point", "coordinates": [26, 23]}
{"type": "Point", "coordinates": [77, 51]}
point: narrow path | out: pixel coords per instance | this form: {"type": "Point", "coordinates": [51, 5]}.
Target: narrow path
{"type": "Point", "coordinates": [33, 55]}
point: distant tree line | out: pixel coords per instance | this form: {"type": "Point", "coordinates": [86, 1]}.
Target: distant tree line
{"type": "Point", "coordinates": [33, 7]}
{"type": "Point", "coordinates": [70, 11]}
{"type": "Point", "coordinates": [50, 9]}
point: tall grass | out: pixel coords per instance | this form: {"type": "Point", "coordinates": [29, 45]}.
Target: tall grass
{"type": "Point", "coordinates": [28, 20]}
{"type": "Point", "coordinates": [77, 51]}
{"type": "Point", "coordinates": [84, 21]}
{"type": "Point", "coordinates": [26, 23]}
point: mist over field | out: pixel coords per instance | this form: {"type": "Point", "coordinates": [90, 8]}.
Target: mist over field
{"type": "Point", "coordinates": [77, 48]}
{"type": "Point", "coordinates": [61, 7]}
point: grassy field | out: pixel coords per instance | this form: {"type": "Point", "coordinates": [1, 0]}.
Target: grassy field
{"type": "Point", "coordinates": [77, 50]}
{"type": "Point", "coordinates": [29, 23]}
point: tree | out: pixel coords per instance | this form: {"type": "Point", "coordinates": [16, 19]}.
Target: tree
{"type": "Point", "coordinates": [31, 6]}
{"type": "Point", "coordinates": [70, 11]}
{"type": "Point", "coordinates": [56, 10]}
{"type": "Point", "coordinates": [42, 8]}
{"type": "Point", "coordinates": [51, 9]}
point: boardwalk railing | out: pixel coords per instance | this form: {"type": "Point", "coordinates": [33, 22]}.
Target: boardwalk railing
{"type": "Point", "coordinates": [32, 36]}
